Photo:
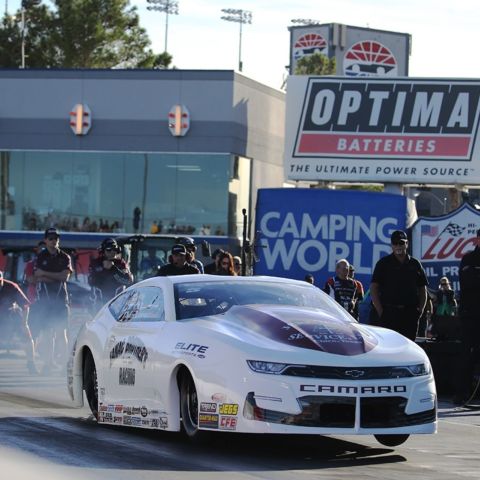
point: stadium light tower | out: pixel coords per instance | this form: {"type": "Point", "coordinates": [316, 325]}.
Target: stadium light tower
{"type": "Point", "coordinates": [240, 16]}
{"type": "Point", "coordinates": [305, 21]}
{"type": "Point", "coordinates": [170, 7]}
{"type": "Point", "coordinates": [23, 21]}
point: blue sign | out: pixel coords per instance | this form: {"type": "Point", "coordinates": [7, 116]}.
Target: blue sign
{"type": "Point", "coordinates": [302, 231]}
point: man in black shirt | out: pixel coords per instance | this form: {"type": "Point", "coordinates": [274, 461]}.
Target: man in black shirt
{"type": "Point", "coordinates": [52, 269]}
{"type": "Point", "coordinates": [470, 321]}
{"type": "Point", "coordinates": [178, 265]}
{"type": "Point", "coordinates": [398, 289]}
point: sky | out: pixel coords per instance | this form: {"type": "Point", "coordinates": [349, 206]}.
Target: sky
{"type": "Point", "coordinates": [445, 33]}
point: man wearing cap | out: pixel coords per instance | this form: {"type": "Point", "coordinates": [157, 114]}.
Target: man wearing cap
{"type": "Point", "coordinates": [398, 289]}
{"type": "Point", "coordinates": [469, 305]}
{"type": "Point", "coordinates": [178, 264]}
{"type": "Point", "coordinates": [109, 273]}
{"type": "Point", "coordinates": [191, 249]}
{"type": "Point", "coordinates": [52, 269]}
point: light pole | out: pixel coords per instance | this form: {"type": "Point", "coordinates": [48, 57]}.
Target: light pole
{"type": "Point", "coordinates": [170, 7]}
{"type": "Point", "coordinates": [24, 5]}
{"type": "Point", "coordinates": [240, 16]}
{"type": "Point", "coordinates": [305, 21]}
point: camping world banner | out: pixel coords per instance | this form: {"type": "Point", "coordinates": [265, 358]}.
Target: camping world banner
{"type": "Point", "coordinates": [383, 130]}
{"type": "Point", "coordinates": [304, 231]}
{"type": "Point", "coordinates": [440, 242]}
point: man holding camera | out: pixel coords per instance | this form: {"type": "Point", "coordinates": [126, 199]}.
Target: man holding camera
{"type": "Point", "coordinates": [109, 273]}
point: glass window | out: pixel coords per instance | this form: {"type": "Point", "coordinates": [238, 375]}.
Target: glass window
{"type": "Point", "coordinates": [143, 304]}
{"type": "Point", "coordinates": [197, 299]}
{"type": "Point", "coordinates": [186, 194]}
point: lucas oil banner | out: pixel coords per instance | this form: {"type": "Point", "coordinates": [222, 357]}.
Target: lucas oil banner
{"type": "Point", "coordinates": [302, 231]}
{"type": "Point", "coordinates": [440, 243]}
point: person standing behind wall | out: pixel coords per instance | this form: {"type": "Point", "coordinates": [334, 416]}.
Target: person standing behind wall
{"type": "Point", "coordinates": [398, 289]}
{"type": "Point", "coordinates": [469, 319]}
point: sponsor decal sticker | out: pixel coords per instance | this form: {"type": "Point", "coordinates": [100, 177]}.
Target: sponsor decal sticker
{"type": "Point", "coordinates": [228, 409]}
{"type": "Point", "coordinates": [208, 420]}
{"type": "Point", "coordinates": [191, 349]}
{"type": "Point", "coordinates": [228, 423]}
{"type": "Point", "coordinates": [163, 423]}
{"type": "Point", "coordinates": [132, 347]}
{"type": "Point", "coordinates": [208, 407]}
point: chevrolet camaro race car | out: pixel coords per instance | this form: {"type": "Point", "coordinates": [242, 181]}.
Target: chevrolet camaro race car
{"type": "Point", "coordinates": [248, 354]}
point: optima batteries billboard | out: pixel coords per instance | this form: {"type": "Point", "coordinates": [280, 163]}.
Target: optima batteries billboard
{"type": "Point", "coordinates": [382, 130]}
{"type": "Point", "coordinates": [304, 231]}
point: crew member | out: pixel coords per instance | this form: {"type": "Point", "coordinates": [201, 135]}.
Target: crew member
{"type": "Point", "coordinates": [14, 307]}
{"type": "Point", "coordinates": [52, 269]}
{"type": "Point", "coordinates": [469, 301]}
{"type": "Point", "coordinates": [109, 273]}
{"type": "Point", "coordinates": [191, 249]}
{"type": "Point", "coordinates": [398, 289]}
{"type": "Point", "coordinates": [360, 291]}
{"type": "Point", "coordinates": [342, 288]}
{"type": "Point", "coordinates": [211, 268]}
{"type": "Point", "coordinates": [178, 265]}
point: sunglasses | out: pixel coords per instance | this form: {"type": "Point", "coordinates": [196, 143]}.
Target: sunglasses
{"type": "Point", "coordinates": [444, 284]}
{"type": "Point", "coordinates": [400, 242]}
{"type": "Point", "coordinates": [52, 238]}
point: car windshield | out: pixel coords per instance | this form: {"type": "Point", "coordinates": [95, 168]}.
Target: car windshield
{"type": "Point", "coordinates": [199, 299]}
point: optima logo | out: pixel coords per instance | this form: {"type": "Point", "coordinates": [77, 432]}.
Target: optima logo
{"type": "Point", "coordinates": [388, 119]}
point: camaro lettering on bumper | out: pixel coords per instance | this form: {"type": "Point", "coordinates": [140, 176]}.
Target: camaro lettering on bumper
{"type": "Point", "coordinates": [373, 389]}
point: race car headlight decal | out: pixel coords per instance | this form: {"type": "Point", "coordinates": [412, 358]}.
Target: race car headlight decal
{"type": "Point", "coordinates": [266, 367]}
{"type": "Point", "coordinates": [411, 370]}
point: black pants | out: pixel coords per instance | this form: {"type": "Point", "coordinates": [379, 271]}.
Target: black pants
{"type": "Point", "coordinates": [470, 354]}
{"type": "Point", "coordinates": [402, 319]}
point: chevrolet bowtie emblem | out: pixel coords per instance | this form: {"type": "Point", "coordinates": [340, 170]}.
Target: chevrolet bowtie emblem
{"type": "Point", "coordinates": [355, 373]}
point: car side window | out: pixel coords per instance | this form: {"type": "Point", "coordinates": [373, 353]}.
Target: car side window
{"type": "Point", "coordinates": [117, 305]}
{"type": "Point", "coordinates": [145, 304]}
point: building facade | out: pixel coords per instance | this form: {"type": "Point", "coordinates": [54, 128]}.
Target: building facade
{"type": "Point", "coordinates": [85, 149]}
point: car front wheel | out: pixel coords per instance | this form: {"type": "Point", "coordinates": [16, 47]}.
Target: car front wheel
{"type": "Point", "coordinates": [391, 440]}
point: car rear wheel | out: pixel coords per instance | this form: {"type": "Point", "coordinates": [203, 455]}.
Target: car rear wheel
{"type": "Point", "coordinates": [90, 384]}
{"type": "Point", "coordinates": [391, 440]}
{"type": "Point", "coordinates": [189, 406]}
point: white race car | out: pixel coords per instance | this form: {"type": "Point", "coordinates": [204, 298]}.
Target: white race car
{"type": "Point", "coordinates": [248, 354]}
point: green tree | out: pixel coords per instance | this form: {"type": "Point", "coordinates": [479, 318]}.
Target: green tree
{"type": "Point", "coordinates": [77, 34]}
{"type": "Point", "coordinates": [316, 64]}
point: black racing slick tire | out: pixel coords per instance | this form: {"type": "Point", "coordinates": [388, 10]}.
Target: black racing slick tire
{"type": "Point", "coordinates": [189, 407]}
{"type": "Point", "coordinates": [90, 384]}
{"type": "Point", "coordinates": [391, 440]}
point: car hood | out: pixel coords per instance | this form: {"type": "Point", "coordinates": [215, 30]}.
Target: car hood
{"type": "Point", "coordinates": [300, 327]}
